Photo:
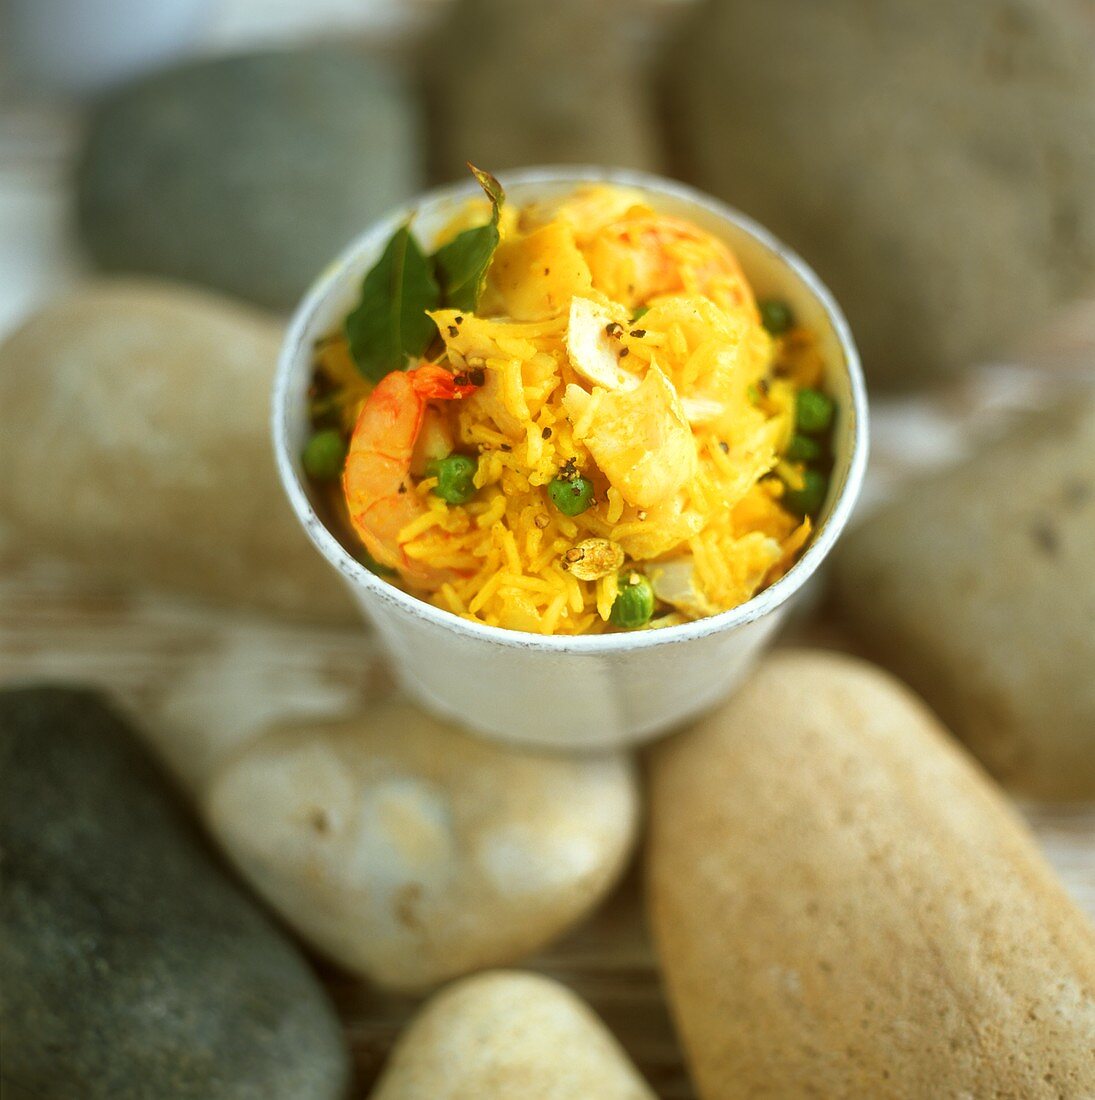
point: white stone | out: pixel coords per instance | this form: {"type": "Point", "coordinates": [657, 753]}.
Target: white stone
{"type": "Point", "coordinates": [411, 852]}
{"type": "Point", "coordinates": [508, 1035]}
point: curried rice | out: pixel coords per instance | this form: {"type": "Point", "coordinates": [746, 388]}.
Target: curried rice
{"type": "Point", "coordinates": [616, 359]}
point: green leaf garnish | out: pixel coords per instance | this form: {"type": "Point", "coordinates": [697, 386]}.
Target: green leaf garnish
{"type": "Point", "coordinates": [390, 325]}
{"type": "Point", "coordinates": [462, 263]}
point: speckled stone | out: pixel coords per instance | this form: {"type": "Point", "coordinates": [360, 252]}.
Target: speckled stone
{"type": "Point", "coordinates": [133, 967]}
{"type": "Point", "coordinates": [411, 852]}
{"type": "Point", "coordinates": [504, 1035]}
{"type": "Point", "coordinates": [516, 83]}
{"type": "Point", "coordinates": [247, 174]}
{"type": "Point", "coordinates": [933, 161]}
{"type": "Point", "coordinates": [978, 587]}
{"type": "Point", "coordinates": [844, 905]}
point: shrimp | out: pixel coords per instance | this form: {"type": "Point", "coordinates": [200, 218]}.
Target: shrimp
{"type": "Point", "coordinates": [375, 481]}
{"type": "Point", "coordinates": [643, 255]}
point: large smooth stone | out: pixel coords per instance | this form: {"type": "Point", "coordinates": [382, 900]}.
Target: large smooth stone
{"type": "Point", "coordinates": [933, 162]}
{"type": "Point", "coordinates": [247, 174]}
{"type": "Point", "coordinates": [844, 906]}
{"type": "Point", "coordinates": [135, 441]}
{"type": "Point", "coordinates": [410, 852]}
{"type": "Point", "coordinates": [504, 1035]}
{"type": "Point", "coordinates": [978, 587]}
{"type": "Point", "coordinates": [516, 83]}
{"type": "Point", "coordinates": [133, 967]}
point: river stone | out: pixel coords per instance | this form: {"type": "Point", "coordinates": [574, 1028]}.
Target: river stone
{"type": "Point", "coordinates": [844, 906]}
{"type": "Point", "coordinates": [133, 967]}
{"type": "Point", "coordinates": [410, 852]}
{"type": "Point", "coordinates": [516, 83]}
{"type": "Point", "coordinates": [247, 174]}
{"type": "Point", "coordinates": [508, 1034]}
{"type": "Point", "coordinates": [978, 587]}
{"type": "Point", "coordinates": [135, 441]}
{"type": "Point", "coordinates": [933, 161]}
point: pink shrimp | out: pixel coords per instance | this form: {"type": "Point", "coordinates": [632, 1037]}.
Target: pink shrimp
{"type": "Point", "coordinates": [645, 254]}
{"type": "Point", "coordinates": [375, 481]}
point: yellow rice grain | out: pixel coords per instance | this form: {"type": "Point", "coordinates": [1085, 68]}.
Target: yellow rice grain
{"type": "Point", "coordinates": [607, 588]}
{"type": "Point", "coordinates": [615, 505]}
{"type": "Point", "coordinates": [554, 610]}
{"type": "Point", "coordinates": [417, 526]}
{"type": "Point", "coordinates": [485, 592]}
{"type": "Point", "coordinates": [509, 548]}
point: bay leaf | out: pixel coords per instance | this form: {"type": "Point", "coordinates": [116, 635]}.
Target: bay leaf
{"type": "Point", "coordinates": [389, 326]}
{"type": "Point", "coordinates": [462, 263]}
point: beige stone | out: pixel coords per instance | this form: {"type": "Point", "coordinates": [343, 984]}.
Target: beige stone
{"type": "Point", "coordinates": [845, 907]}
{"type": "Point", "coordinates": [508, 1035]}
{"type": "Point", "coordinates": [932, 161]}
{"type": "Point", "coordinates": [517, 83]}
{"type": "Point", "coordinates": [411, 852]}
{"type": "Point", "coordinates": [135, 441]}
{"type": "Point", "coordinates": [978, 587]}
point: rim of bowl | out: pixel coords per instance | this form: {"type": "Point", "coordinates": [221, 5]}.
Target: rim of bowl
{"type": "Point", "coordinates": [763, 603]}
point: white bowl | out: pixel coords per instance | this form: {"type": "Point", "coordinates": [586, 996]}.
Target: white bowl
{"type": "Point", "coordinates": [597, 691]}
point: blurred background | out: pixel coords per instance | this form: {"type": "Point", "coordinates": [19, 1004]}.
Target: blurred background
{"type": "Point", "coordinates": [935, 166]}
{"type": "Point", "coordinates": [934, 163]}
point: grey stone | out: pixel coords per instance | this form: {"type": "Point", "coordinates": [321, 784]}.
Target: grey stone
{"type": "Point", "coordinates": [133, 967]}
{"type": "Point", "coordinates": [978, 587]}
{"type": "Point", "coordinates": [934, 162]}
{"type": "Point", "coordinates": [247, 174]}
{"type": "Point", "coordinates": [516, 83]}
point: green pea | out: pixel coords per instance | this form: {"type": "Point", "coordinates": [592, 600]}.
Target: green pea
{"type": "Point", "coordinates": [808, 500]}
{"type": "Point", "coordinates": [634, 602]}
{"type": "Point", "coordinates": [813, 412]}
{"type": "Point", "coordinates": [373, 565]}
{"type": "Point", "coordinates": [455, 478]}
{"type": "Point", "coordinates": [776, 316]}
{"type": "Point", "coordinates": [324, 455]}
{"type": "Point", "coordinates": [803, 449]}
{"type": "Point", "coordinates": [573, 497]}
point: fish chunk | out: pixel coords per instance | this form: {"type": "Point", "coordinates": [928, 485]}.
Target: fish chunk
{"type": "Point", "coordinates": [640, 438]}
{"type": "Point", "coordinates": [592, 352]}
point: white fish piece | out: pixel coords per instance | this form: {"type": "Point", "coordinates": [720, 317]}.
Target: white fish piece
{"type": "Point", "coordinates": [639, 438]}
{"type": "Point", "coordinates": [674, 583]}
{"type": "Point", "coordinates": [701, 410]}
{"type": "Point", "coordinates": [593, 353]}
